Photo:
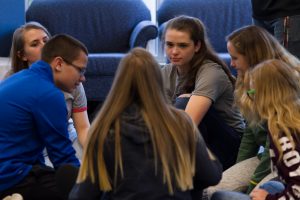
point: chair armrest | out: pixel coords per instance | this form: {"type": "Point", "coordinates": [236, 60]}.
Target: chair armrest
{"type": "Point", "coordinates": [142, 33]}
{"type": "Point", "coordinates": [161, 29]}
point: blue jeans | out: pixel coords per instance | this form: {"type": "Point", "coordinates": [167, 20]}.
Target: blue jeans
{"type": "Point", "coordinates": [223, 140]}
{"type": "Point", "coordinates": [271, 187]}
{"type": "Point", "coordinates": [276, 28]}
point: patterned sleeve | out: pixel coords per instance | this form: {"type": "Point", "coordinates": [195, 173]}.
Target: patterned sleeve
{"type": "Point", "coordinates": [79, 102]}
{"type": "Point", "coordinates": [288, 169]}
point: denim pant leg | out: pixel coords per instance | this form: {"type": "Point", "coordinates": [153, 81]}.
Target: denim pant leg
{"type": "Point", "coordinates": [222, 139]}
{"type": "Point", "coordinates": [273, 187]}
{"type": "Point", "coordinates": [229, 195]}
{"type": "Point", "coordinates": [181, 102]}
{"type": "Point", "coordinates": [294, 35]}
{"type": "Point", "coordinates": [276, 28]}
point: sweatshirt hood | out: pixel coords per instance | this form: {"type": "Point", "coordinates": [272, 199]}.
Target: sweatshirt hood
{"type": "Point", "coordinates": [133, 125]}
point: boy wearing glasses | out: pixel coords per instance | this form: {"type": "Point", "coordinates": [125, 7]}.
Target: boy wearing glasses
{"type": "Point", "coordinates": [34, 117]}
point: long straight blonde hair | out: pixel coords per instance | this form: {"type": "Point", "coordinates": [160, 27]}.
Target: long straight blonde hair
{"type": "Point", "coordinates": [173, 134]}
{"type": "Point", "coordinates": [277, 99]}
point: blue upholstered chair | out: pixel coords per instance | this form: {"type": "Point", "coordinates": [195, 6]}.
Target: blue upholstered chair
{"type": "Point", "coordinates": [109, 29]}
{"type": "Point", "coordinates": [12, 15]}
{"type": "Point", "coordinates": [220, 17]}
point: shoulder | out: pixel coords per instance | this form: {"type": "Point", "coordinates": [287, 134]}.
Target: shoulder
{"type": "Point", "coordinates": [51, 94]}
{"type": "Point", "coordinates": [45, 91]}
{"type": "Point", "coordinates": [168, 69]}
{"type": "Point", "coordinates": [35, 84]}
{"type": "Point", "coordinates": [78, 92]}
{"type": "Point", "coordinates": [209, 66]}
{"type": "Point", "coordinates": [211, 72]}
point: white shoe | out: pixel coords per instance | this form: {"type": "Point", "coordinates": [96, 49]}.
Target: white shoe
{"type": "Point", "coordinates": [14, 196]}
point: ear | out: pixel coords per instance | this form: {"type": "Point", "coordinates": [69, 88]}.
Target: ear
{"type": "Point", "coordinates": [57, 63]}
{"type": "Point", "coordinates": [197, 47]}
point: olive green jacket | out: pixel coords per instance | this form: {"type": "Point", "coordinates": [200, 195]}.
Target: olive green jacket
{"type": "Point", "coordinates": [252, 139]}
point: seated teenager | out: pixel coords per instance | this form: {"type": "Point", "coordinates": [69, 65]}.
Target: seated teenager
{"type": "Point", "coordinates": [140, 147]}
{"type": "Point", "coordinates": [28, 41]}
{"type": "Point", "coordinates": [275, 100]}
{"type": "Point", "coordinates": [249, 46]}
{"type": "Point", "coordinates": [197, 81]}
{"type": "Point", "coordinates": [34, 117]}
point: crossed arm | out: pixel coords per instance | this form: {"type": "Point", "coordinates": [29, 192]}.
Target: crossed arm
{"type": "Point", "coordinates": [197, 107]}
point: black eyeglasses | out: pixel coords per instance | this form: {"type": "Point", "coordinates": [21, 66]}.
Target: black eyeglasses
{"type": "Point", "coordinates": [251, 93]}
{"type": "Point", "coordinates": [81, 70]}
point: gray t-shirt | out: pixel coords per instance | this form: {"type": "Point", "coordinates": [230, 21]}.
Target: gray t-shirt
{"type": "Point", "coordinates": [76, 102]}
{"type": "Point", "coordinates": [211, 82]}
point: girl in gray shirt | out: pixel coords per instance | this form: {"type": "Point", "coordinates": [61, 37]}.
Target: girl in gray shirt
{"type": "Point", "coordinates": [197, 81]}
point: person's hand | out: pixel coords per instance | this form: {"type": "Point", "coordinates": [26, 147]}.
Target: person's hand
{"type": "Point", "coordinates": [258, 194]}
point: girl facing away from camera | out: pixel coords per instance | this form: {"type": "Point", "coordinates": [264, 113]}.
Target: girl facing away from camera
{"type": "Point", "coordinates": [199, 82]}
{"type": "Point", "coordinates": [275, 95]}
{"type": "Point", "coordinates": [139, 146]}
{"type": "Point", "coordinates": [28, 41]}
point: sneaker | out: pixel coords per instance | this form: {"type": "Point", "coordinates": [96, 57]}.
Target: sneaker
{"type": "Point", "coordinates": [14, 196]}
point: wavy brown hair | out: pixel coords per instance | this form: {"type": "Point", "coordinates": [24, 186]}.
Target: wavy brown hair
{"type": "Point", "coordinates": [173, 134]}
{"type": "Point", "coordinates": [17, 48]}
{"type": "Point", "coordinates": [256, 45]}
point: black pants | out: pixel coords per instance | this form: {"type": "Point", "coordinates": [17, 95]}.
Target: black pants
{"type": "Point", "coordinates": [43, 183]}
{"type": "Point", "coordinates": [220, 138]}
